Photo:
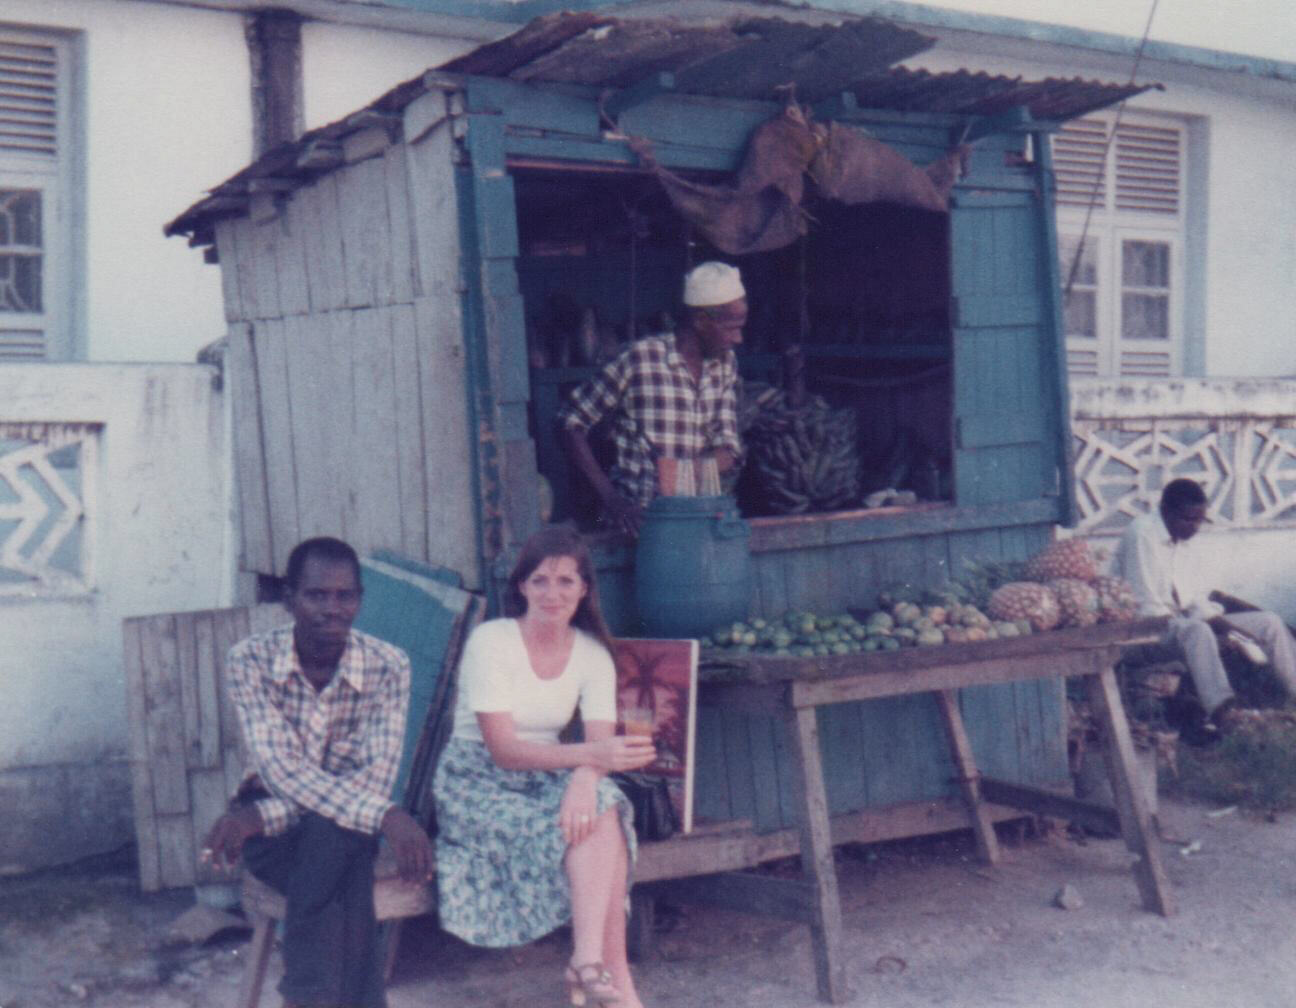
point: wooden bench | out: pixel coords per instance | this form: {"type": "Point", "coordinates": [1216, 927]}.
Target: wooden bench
{"type": "Point", "coordinates": [394, 900]}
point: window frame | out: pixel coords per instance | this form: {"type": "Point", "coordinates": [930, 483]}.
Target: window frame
{"type": "Point", "coordinates": [1109, 354]}
{"type": "Point", "coordinates": [54, 176]}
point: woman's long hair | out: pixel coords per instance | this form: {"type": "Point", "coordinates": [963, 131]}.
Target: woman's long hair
{"type": "Point", "coordinates": [559, 541]}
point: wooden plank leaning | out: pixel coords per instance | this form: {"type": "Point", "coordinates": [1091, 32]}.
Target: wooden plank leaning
{"type": "Point", "coordinates": [1131, 804]}
{"type": "Point", "coordinates": [968, 777]}
{"type": "Point", "coordinates": [817, 857]}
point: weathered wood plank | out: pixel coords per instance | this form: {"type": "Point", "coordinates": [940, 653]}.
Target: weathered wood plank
{"type": "Point", "coordinates": [165, 719]}
{"type": "Point", "coordinates": [262, 239]}
{"type": "Point", "coordinates": [845, 775]}
{"type": "Point", "coordinates": [320, 423]}
{"type": "Point", "coordinates": [249, 450]}
{"type": "Point", "coordinates": [282, 478]}
{"type": "Point", "coordinates": [764, 772]}
{"type": "Point", "coordinates": [242, 262]}
{"type": "Point", "coordinates": [740, 782]}
{"type": "Point", "coordinates": [290, 259]}
{"type": "Point", "coordinates": [365, 229]}
{"type": "Point", "coordinates": [207, 669]}
{"type": "Point", "coordinates": [229, 626]}
{"type": "Point", "coordinates": [724, 849]}
{"type": "Point", "coordinates": [817, 859]}
{"type": "Point", "coordinates": [410, 450]}
{"type": "Point", "coordinates": [447, 440]}
{"type": "Point", "coordinates": [373, 462]}
{"type": "Point", "coordinates": [141, 774]}
{"type": "Point", "coordinates": [322, 244]}
{"type": "Point", "coordinates": [987, 844]}
{"type": "Point", "coordinates": [400, 222]}
{"type": "Point", "coordinates": [1040, 802]}
{"type": "Point", "coordinates": [176, 850]}
{"type": "Point", "coordinates": [1131, 804]}
{"type": "Point", "coordinates": [434, 208]}
{"type": "Point", "coordinates": [187, 676]}
{"type": "Point", "coordinates": [711, 772]}
{"type": "Point", "coordinates": [228, 251]}
{"type": "Point", "coordinates": [208, 797]}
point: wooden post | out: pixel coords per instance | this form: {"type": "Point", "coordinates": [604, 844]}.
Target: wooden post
{"type": "Point", "coordinates": [817, 856]}
{"type": "Point", "coordinates": [1131, 805]}
{"type": "Point", "coordinates": [987, 844]}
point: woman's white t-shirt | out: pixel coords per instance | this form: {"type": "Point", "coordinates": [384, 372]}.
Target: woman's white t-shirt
{"type": "Point", "coordinates": [495, 676]}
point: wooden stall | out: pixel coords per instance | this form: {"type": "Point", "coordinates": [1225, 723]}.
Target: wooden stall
{"type": "Point", "coordinates": [397, 285]}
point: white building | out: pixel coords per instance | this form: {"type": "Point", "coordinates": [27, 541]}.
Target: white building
{"type": "Point", "coordinates": [117, 114]}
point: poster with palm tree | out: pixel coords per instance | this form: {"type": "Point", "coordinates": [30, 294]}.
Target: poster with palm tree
{"type": "Point", "coordinates": [657, 684]}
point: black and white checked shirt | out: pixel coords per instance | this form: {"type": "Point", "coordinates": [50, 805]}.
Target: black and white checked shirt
{"type": "Point", "coordinates": [335, 752]}
{"type": "Point", "coordinates": [660, 410]}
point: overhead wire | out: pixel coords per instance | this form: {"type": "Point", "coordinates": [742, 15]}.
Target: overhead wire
{"type": "Point", "coordinates": [1102, 171]}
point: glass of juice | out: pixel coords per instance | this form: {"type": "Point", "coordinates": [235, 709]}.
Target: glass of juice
{"type": "Point", "coordinates": [638, 721]}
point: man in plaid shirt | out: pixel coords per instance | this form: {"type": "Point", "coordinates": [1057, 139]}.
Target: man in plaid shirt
{"type": "Point", "coordinates": [322, 709]}
{"type": "Point", "coordinates": [671, 397]}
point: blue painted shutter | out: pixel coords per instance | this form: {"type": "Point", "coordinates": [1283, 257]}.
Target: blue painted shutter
{"type": "Point", "coordinates": [1007, 387]}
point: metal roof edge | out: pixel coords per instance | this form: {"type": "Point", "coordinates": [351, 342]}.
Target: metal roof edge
{"type": "Point", "coordinates": [471, 20]}
{"type": "Point", "coordinates": [1038, 31]}
{"type": "Point", "coordinates": [922, 15]}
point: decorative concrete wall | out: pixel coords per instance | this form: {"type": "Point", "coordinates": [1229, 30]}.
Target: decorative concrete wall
{"type": "Point", "coordinates": [1237, 438]}
{"type": "Point", "coordinates": [114, 502]}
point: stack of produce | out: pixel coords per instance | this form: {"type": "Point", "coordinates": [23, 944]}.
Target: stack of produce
{"type": "Point", "coordinates": [801, 458]}
{"type": "Point", "coordinates": [1059, 587]}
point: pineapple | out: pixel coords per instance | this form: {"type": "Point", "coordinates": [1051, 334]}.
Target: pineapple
{"type": "Point", "coordinates": [1116, 600]}
{"type": "Point", "coordinates": [1066, 558]}
{"type": "Point", "coordinates": [1077, 601]}
{"type": "Point", "coordinates": [1027, 601]}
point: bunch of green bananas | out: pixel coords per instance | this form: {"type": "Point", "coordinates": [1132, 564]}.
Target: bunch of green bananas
{"type": "Point", "coordinates": [804, 458]}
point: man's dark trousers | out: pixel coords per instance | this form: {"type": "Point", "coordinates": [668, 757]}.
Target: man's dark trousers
{"type": "Point", "coordinates": [330, 936]}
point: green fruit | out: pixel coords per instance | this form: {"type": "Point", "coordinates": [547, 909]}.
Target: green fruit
{"type": "Point", "coordinates": [890, 644]}
{"type": "Point", "coordinates": [872, 643]}
{"type": "Point", "coordinates": [758, 624]}
{"type": "Point", "coordinates": [749, 639]}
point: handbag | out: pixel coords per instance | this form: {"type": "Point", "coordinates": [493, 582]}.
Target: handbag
{"type": "Point", "coordinates": [654, 813]}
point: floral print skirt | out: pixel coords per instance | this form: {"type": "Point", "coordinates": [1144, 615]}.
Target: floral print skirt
{"type": "Point", "coordinates": [499, 847]}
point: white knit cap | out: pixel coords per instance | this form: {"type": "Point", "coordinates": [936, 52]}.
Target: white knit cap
{"type": "Point", "coordinates": [712, 283]}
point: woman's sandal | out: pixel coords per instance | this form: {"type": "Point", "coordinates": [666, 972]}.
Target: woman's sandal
{"type": "Point", "coordinates": [591, 984]}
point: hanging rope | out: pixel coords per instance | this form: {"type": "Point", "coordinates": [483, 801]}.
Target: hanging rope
{"type": "Point", "coordinates": [1102, 174]}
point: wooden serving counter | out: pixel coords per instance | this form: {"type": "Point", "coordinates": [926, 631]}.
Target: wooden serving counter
{"type": "Point", "coordinates": [793, 688]}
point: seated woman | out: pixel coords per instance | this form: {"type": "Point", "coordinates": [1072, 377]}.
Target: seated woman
{"type": "Point", "coordinates": [531, 833]}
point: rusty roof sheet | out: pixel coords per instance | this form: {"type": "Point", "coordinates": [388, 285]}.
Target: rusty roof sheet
{"type": "Point", "coordinates": [965, 92]}
{"type": "Point", "coordinates": [744, 58]}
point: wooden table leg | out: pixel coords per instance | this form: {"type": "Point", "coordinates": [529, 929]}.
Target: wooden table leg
{"type": "Point", "coordinates": [817, 857]}
{"type": "Point", "coordinates": [1131, 803]}
{"type": "Point", "coordinates": [987, 844]}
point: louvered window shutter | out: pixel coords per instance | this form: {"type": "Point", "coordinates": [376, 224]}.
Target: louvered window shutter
{"type": "Point", "coordinates": [28, 99]}
{"type": "Point", "coordinates": [1125, 192]}
{"type": "Point", "coordinates": [30, 178]}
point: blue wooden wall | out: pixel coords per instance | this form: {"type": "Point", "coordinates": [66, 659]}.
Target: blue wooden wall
{"type": "Point", "coordinates": [1008, 395]}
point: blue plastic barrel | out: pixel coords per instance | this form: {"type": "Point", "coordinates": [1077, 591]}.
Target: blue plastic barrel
{"type": "Point", "coordinates": [693, 569]}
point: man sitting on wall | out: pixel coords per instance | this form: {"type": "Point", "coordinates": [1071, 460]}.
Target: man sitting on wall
{"type": "Point", "coordinates": [1157, 557]}
{"type": "Point", "coordinates": [672, 397]}
{"type": "Point", "coordinates": [322, 708]}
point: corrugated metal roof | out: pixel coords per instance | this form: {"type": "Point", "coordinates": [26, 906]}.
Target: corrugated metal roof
{"type": "Point", "coordinates": [745, 58]}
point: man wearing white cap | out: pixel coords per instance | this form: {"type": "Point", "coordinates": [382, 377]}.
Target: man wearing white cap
{"type": "Point", "coordinates": [671, 396]}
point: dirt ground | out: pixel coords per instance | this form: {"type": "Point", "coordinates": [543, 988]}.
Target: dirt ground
{"type": "Point", "coordinates": [925, 925]}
